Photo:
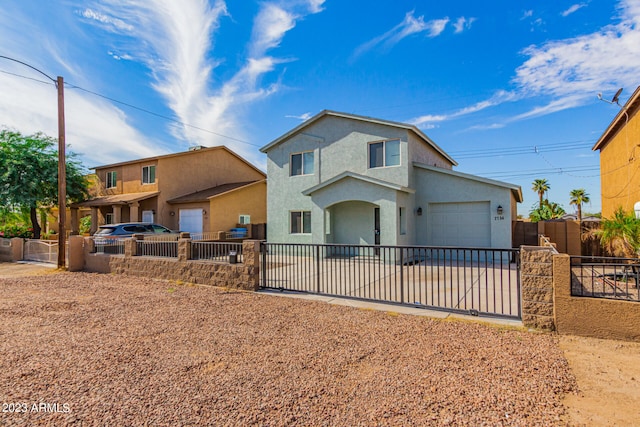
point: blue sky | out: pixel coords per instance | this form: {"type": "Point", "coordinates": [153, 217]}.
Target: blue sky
{"type": "Point", "coordinates": [507, 88]}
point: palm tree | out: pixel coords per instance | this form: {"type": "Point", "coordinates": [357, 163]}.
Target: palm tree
{"type": "Point", "coordinates": [541, 186]}
{"type": "Point", "coordinates": [619, 235]}
{"type": "Point", "coordinates": [578, 198]}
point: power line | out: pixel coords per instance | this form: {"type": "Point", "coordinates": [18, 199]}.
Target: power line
{"type": "Point", "coordinates": [171, 119]}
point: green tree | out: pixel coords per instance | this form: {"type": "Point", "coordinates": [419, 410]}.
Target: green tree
{"type": "Point", "coordinates": [578, 198]}
{"type": "Point", "coordinates": [547, 210]}
{"type": "Point", "coordinates": [620, 235]}
{"type": "Point", "coordinates": [29, 174]}
{"type": "Point", "coordinates": [540, 186]}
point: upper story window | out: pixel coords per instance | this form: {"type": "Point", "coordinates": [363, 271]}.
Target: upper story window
{"type": "Point", "coordinates": [148, 174]}
{"type": "Point", "coordinates": [302, 163]}
{"type": "Point", "coordinates": [111, 180]}
{"type": "Point", "coordinates": [384, 153]}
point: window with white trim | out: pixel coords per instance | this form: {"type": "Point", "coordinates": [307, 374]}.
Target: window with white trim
{"type": "Point", "coordinates": [148, 174]}
{"type": "Point", "coordinates": [111, 180]}
{"type": "Point", "coordinates": [384, 153]}
{"type": "Point", "coordinates": [302, 163]}
{"type": "Point", "coordinates": [244, 219]}
{"type": "Point", "coordinates": [300, 222]}
{"type": "Point", "coordinates": [108, 218]}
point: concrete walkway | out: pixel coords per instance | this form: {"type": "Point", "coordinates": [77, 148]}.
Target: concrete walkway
{"type": "Point", "coordinates": [392, 308]}
{"type": "Point", "coordinates": [24, 268]}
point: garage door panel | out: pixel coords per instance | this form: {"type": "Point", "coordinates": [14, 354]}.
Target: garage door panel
{"type": "Point", "coordinates": [460, 224]}
{"type": "Point", "coordinates": [191, 220]}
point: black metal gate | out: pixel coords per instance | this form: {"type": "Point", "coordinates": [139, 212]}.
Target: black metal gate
{"type": "Point", "coordinates": [476, 281]}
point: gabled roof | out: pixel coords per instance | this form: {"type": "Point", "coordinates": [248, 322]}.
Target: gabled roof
{"type": "Point", "coordinates": [326, 113]}
{"type": "Point", "coordinates": [515, 189]}
{"type": "Point", "coordinates": [117, 199]}
{"type": "Point", "coordinates": [356, 176]}
{"type": "Point", "coordinates": [620, 120]}
{"type": "Point", "coordinates": [182, 153]}
{"type": "Point", "coordinates": [204, 195]}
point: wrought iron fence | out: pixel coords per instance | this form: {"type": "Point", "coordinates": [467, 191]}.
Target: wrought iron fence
{"type": "Point", "coordinates": [605, 277]}
{"type": "Point", "coordinates": [470, 280]}
{"type": "Point", "coordinates": [158, 249]}
{"type": "Point", "coordinates": [110, 246]}
{"type": "Point", "coordinates": [217, 251]}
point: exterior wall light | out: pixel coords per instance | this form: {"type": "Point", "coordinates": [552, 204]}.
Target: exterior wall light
{"type": "Point", "coordinates": [419, 211]}
{"type": "Point", "coordinates": [172, 213]}
{"type": "Point", "coordinates": [500, 210]}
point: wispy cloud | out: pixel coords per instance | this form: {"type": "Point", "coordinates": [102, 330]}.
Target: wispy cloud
{"type": "Point", "coordinates": [567, 73]}
{"type": "Point", "coordinates": [497, 99]}
{"type": "Point", "coordinates": [96, 129]}
{"type": "Point", "coordinates": [409, 25]}
{"type": "Point", "coordinates": [586, 64]}
{"type": "Point", "coordinates": [174, 41]}
{"type": "Point", "coordinates": [527, 14]}
{"type": "Point", "coordinates": [303, 117]}
{"type": "Point", "coordinates": [572, 9]}
{"type": "Point", "coordinates": [462, 24]}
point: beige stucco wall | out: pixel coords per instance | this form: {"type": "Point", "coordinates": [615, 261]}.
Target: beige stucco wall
{"type": "Point", "coordinates": [620, 168]}
{"type": "Point", "coordinates": [243, 275]}
{"type": "Point", "coordinates": [226, 208]}
{"type": "Point", "coordinates": [591, 317]}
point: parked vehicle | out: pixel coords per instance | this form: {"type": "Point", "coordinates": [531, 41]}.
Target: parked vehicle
{"type": "Point", "coordinates": [110, 232]}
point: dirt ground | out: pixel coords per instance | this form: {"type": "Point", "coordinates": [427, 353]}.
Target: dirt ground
{"type": "Point", "coordinates": [607, 372]}
{"type": "Point", "coordinates": [608, 376]}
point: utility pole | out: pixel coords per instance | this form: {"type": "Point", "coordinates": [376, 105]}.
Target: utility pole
{"type": "Point", "coordinates": [62, 166]}
{"type": "Point", "coordinates": [62, 178]}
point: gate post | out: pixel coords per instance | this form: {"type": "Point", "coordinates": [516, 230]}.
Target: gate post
{"type": "Point", "coordinates": [401, 275]}
{"type": "Point", "coordinates": [17, 249]}
{"type": "Point", "coordinates": [318, 268]}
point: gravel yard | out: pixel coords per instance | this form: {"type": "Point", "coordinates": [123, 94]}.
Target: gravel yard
{"type": "Point", "coordinates": [87, 349]}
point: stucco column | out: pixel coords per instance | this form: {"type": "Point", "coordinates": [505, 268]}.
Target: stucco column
{"type": "Point", "coordinates": [75, 223]}
{"type": "Point", "coordinates": [76, 253]}
{"type": "Point", "coordinates": [17, 248]}
{"type": "Point", "coordinates": [117, 214]}
{"type": "Point", "coordinates": [134, 215]}
{"type": "Point", "coordinates": [94, 220]}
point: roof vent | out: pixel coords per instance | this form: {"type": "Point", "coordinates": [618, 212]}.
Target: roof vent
{"type": "Point", "coordinates": [196, 147]}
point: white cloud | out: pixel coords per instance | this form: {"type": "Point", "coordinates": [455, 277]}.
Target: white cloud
{"type": "Point", "coordinates": [587, 64]}
{"type": "Point", "coordinates": [95, 129]}
{"type": "Point", "coordinates": [573, 9]}
{"type": "Point", "coordinates": [174, 40]}
{"type": "Point", "coordinates": [409, 25]}
{"type": "Point", "coordinates": [462, 24]}
{"type": "Point", "coordinates": [567, 73]}
{"type": "Point", "coordinates": [498, 98]}
{"type": "Point", "coordinates": [303, 117]}
{"type": "Point", "coordinates": [527, 14]}
{"type": "Point", "coordinates": [269, 27]}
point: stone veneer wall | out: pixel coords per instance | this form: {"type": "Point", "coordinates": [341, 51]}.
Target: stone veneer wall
{"type": "Point", "coordinates": [243, 276]}
{"type": "Point", "coordinates": [536, 273]}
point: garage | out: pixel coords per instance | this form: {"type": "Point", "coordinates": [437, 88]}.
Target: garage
{"type": "Point", "coordinates": [460, 224]}
{"type": "Point", "coordinates": [191, 220]}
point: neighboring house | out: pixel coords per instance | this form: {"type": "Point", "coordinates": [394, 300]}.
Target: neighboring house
{"type": "Point", "coordinates": [182, 191]}
{"type": "Point", "coordinates": [342, 178]}
{"type": "Point", "coordinates": [619, 148]}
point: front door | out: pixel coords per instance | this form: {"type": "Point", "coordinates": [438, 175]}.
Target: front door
{"type": "Point", "coordinates": [376, 226]}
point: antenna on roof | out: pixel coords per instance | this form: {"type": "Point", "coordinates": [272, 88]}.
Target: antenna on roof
{"type": "Point", "coordinates": [614, 100]}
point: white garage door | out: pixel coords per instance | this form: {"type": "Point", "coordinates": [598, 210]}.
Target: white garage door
{"type": "Point", "coordinates": [460, 224]}
{"type": "Point", "coordinates": [191, 220]}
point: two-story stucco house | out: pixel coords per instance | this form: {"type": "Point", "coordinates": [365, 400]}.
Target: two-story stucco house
{"type": "Point", "coordinates": [200, 190]}
{"type": "Point", "coordinates": [343, 178]}
{"type": "Point", "coordinates": [619, 165]}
